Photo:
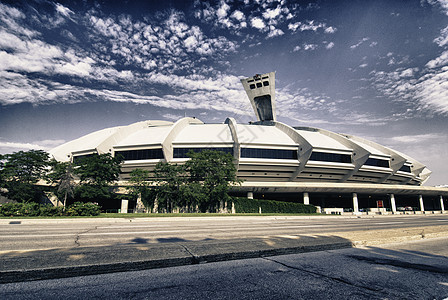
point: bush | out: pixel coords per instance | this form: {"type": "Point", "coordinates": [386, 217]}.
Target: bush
{"type": "Point", "coordinates": [83, 209]}
{"type": "Point", "coordinates": [244, 205]}
{"type": "Point", "coordinates": [34, 209]}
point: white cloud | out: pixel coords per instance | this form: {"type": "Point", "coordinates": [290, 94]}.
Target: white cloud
{"type": "Point", "coordinates": [442, 60]}
{"type": "Point", "coordinates": [257, 23]}
{"type": "Point", "coordinates": [330, 29]}
{"type": "Point", "coordinates": [275, 32]}
{"type": "Point", "coordinates": [238, 15]}
{"type": "Point", "coordinates": [329, 45]}
{"type": "Point", "coordinates": [359, 43]}
{"type": "Point", "coordinates": [309, 47]}
{"type": "Point", "coordinates": [271, 13]}
{"type": "Point", "coordinates": [296, 48]}
{"type": "Point", "coordinates": [442, 40]}
{"type": "Point", "coordinates": [66, 12]}
{"type": "Point", "coordinates": [419, 138]}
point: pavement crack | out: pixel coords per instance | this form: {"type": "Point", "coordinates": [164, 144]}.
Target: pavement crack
{"type": "Point", "coordinates": [195, 259]}
{"type": "Point", "coordinates": [80, 233]}
{"type": "Point", "coordinates": [332, 278]}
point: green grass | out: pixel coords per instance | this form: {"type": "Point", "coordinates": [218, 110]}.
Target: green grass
{"type": "Point", "coordinates": [160, 215]}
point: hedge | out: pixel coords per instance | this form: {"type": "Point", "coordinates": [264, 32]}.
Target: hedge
{"type": "Point", "coordinates": [33, 209]}
{"type": "Point", "coordinates": [245, 205]}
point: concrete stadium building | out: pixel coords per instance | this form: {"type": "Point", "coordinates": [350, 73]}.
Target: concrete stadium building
{"type": "Point", "coordinates": [338, 172]}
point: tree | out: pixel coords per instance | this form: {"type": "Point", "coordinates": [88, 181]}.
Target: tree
{"type": "Point", "coordinates": [214, 171]}
{"type": "Point", "coordinates": [62, 175]}
{"type": "Point", "coordinates": [169, 178]}
{"type": "Point", "coordinates": [19, 173]}
{"type": "Point", "coordinates": [96, 173]}
{"type": "Point", "coordinates": [140, 187]}
{"type": "Point", "coordinates": [202, 181]}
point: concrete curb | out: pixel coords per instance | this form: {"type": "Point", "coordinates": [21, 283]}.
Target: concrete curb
{"type": "Point", "coordinates": [186, 254]}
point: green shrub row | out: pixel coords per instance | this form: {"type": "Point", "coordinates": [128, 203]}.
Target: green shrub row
{"type": "Point", "coordinates": [34, 209]}
{"type": "Point", "coordinates": [245, 205]}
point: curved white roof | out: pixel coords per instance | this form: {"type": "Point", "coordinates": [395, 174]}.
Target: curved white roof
{"type": "Point", "coordinates": [319, 140]}
{"type": "Point", "coordinates": [264, 151]}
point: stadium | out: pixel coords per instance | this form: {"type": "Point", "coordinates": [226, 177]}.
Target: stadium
{"type": "Point", "coordinates": [337, 172]}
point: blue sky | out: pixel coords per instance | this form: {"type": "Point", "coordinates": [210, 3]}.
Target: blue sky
{"type": "Point", "coordinates": [376, 69]}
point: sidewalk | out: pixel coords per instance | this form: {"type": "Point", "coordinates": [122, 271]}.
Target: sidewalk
{"type": "Point", "coordinates": [19, 266]}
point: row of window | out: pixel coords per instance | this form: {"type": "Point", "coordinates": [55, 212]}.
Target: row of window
{"type": "Point", "coordinates": [183, 152]}
{"type": "Point", "coordinates": [140, 154]}
{"type": "Point", "coordinates": [258, 84]}
{"type": "Point", "coordinates": [248, 153]}
{"type": "Point", "coordinates": [331, 157]}
{"type": "Point", "coordinates": [268, 153]}
{"type": "Point", "coordinates": [382, 163]}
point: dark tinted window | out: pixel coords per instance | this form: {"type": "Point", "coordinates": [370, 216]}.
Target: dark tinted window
{"type": "Point", "coordinates": [265, 83]}
{"type": "Point", "coordinates": [268, 153]}
{"type": "Point", "coordinates": [140, 154]}
{"type": "Point", "coordinates": [183, 152]}
{"type": "Point", "coordinates": [79, 158]}
{"type": "Point", "coordinates": [252, 86]}
{"type": "Point", "coordinates": [331, 157]}
{"type": "Point", "coordinates": [258, 84]}
{"type": "Point", "coordinates": [382, 163]}
{"type": "Point", "coordinates": [406, 169]}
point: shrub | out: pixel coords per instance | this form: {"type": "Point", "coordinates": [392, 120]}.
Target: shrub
{"type": "Point", "coordinates": [10, 209]}
{"type": "Point", "coordinates": [49, 210]}
{"type": "Point", "coordinates": [34, 209]}
{"type": "Point", "coordinates": [244, 205]}
{"type": "Point", "coordinates": [83, 209]}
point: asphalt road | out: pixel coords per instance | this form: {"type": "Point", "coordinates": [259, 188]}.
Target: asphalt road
{"type": "Point", "coordinates": [33, 234]}
{"type": "Point", "coordinates": [417, 270]}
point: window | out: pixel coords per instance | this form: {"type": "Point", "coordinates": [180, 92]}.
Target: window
{"type": "Point", "coordinates": [252, 86]}
{"type": "Point", "coordinates": [265, 83]}
{"type": "Point", "coordinates": [331, 157]}
{"type": "Point", "coordinates": [258, 84]}
{"type": "Point", "coordinates": [406, 169]}
{"type": "Point", "coordinates": [183, 152]}
{"type": "Point", "coordinates": [268, 153]}
{"type": "Point", "coordinates": [382, 163]}
{"type": "Point", "coordinates": [140, 154]}
{"type": "Point", "coordinates": [264, 107]}
{"type": "Point", "coordinates": [79, 158]}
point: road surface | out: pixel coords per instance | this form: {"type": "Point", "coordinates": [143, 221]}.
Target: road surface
{"type": "Point", "coordinates": [32, 234]}
{"type": "Point", "coordinates": [417, 270]}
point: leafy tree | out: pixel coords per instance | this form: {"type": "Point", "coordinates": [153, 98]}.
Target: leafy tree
{"type": "Point", "coordinates": [202, 181]}
{"type": "Point", "coordinates": [96, 173]}
{"type": "Point", "coordinates": [214, 171]}
{"type": "Point", "coordinates": [63, 175]}
{"type": "Point", "coordinates": [140, 187]}
{"type": "Point", "coordinates": [20, 171]}
{"type": "Point", "coordinates": [170, 178]}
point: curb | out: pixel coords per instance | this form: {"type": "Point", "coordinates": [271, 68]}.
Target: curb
{"type": "Point", "coordinates": [191, 259]}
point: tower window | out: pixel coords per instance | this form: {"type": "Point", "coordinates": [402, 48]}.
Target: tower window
{"type": "Point", "coordinates": [265, 83]}
{"type": "Point", "coordinates": [252, 86]}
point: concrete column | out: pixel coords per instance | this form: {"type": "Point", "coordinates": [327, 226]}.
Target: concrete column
{"type": "Point", "coordinates": [420, 199]}
{"type": "Point", "coordinates": [250, 195]}
{"type": "Point", "coordinates": [392, 203]}
{"type": "Point", "coordinates": [355, 203]}
{"type": "Point", "coordinates": [442, 207]}
{"type": "Point", "coordinates": [124, 206]}
{"type": "Point", "coordinates": [306, 198]}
